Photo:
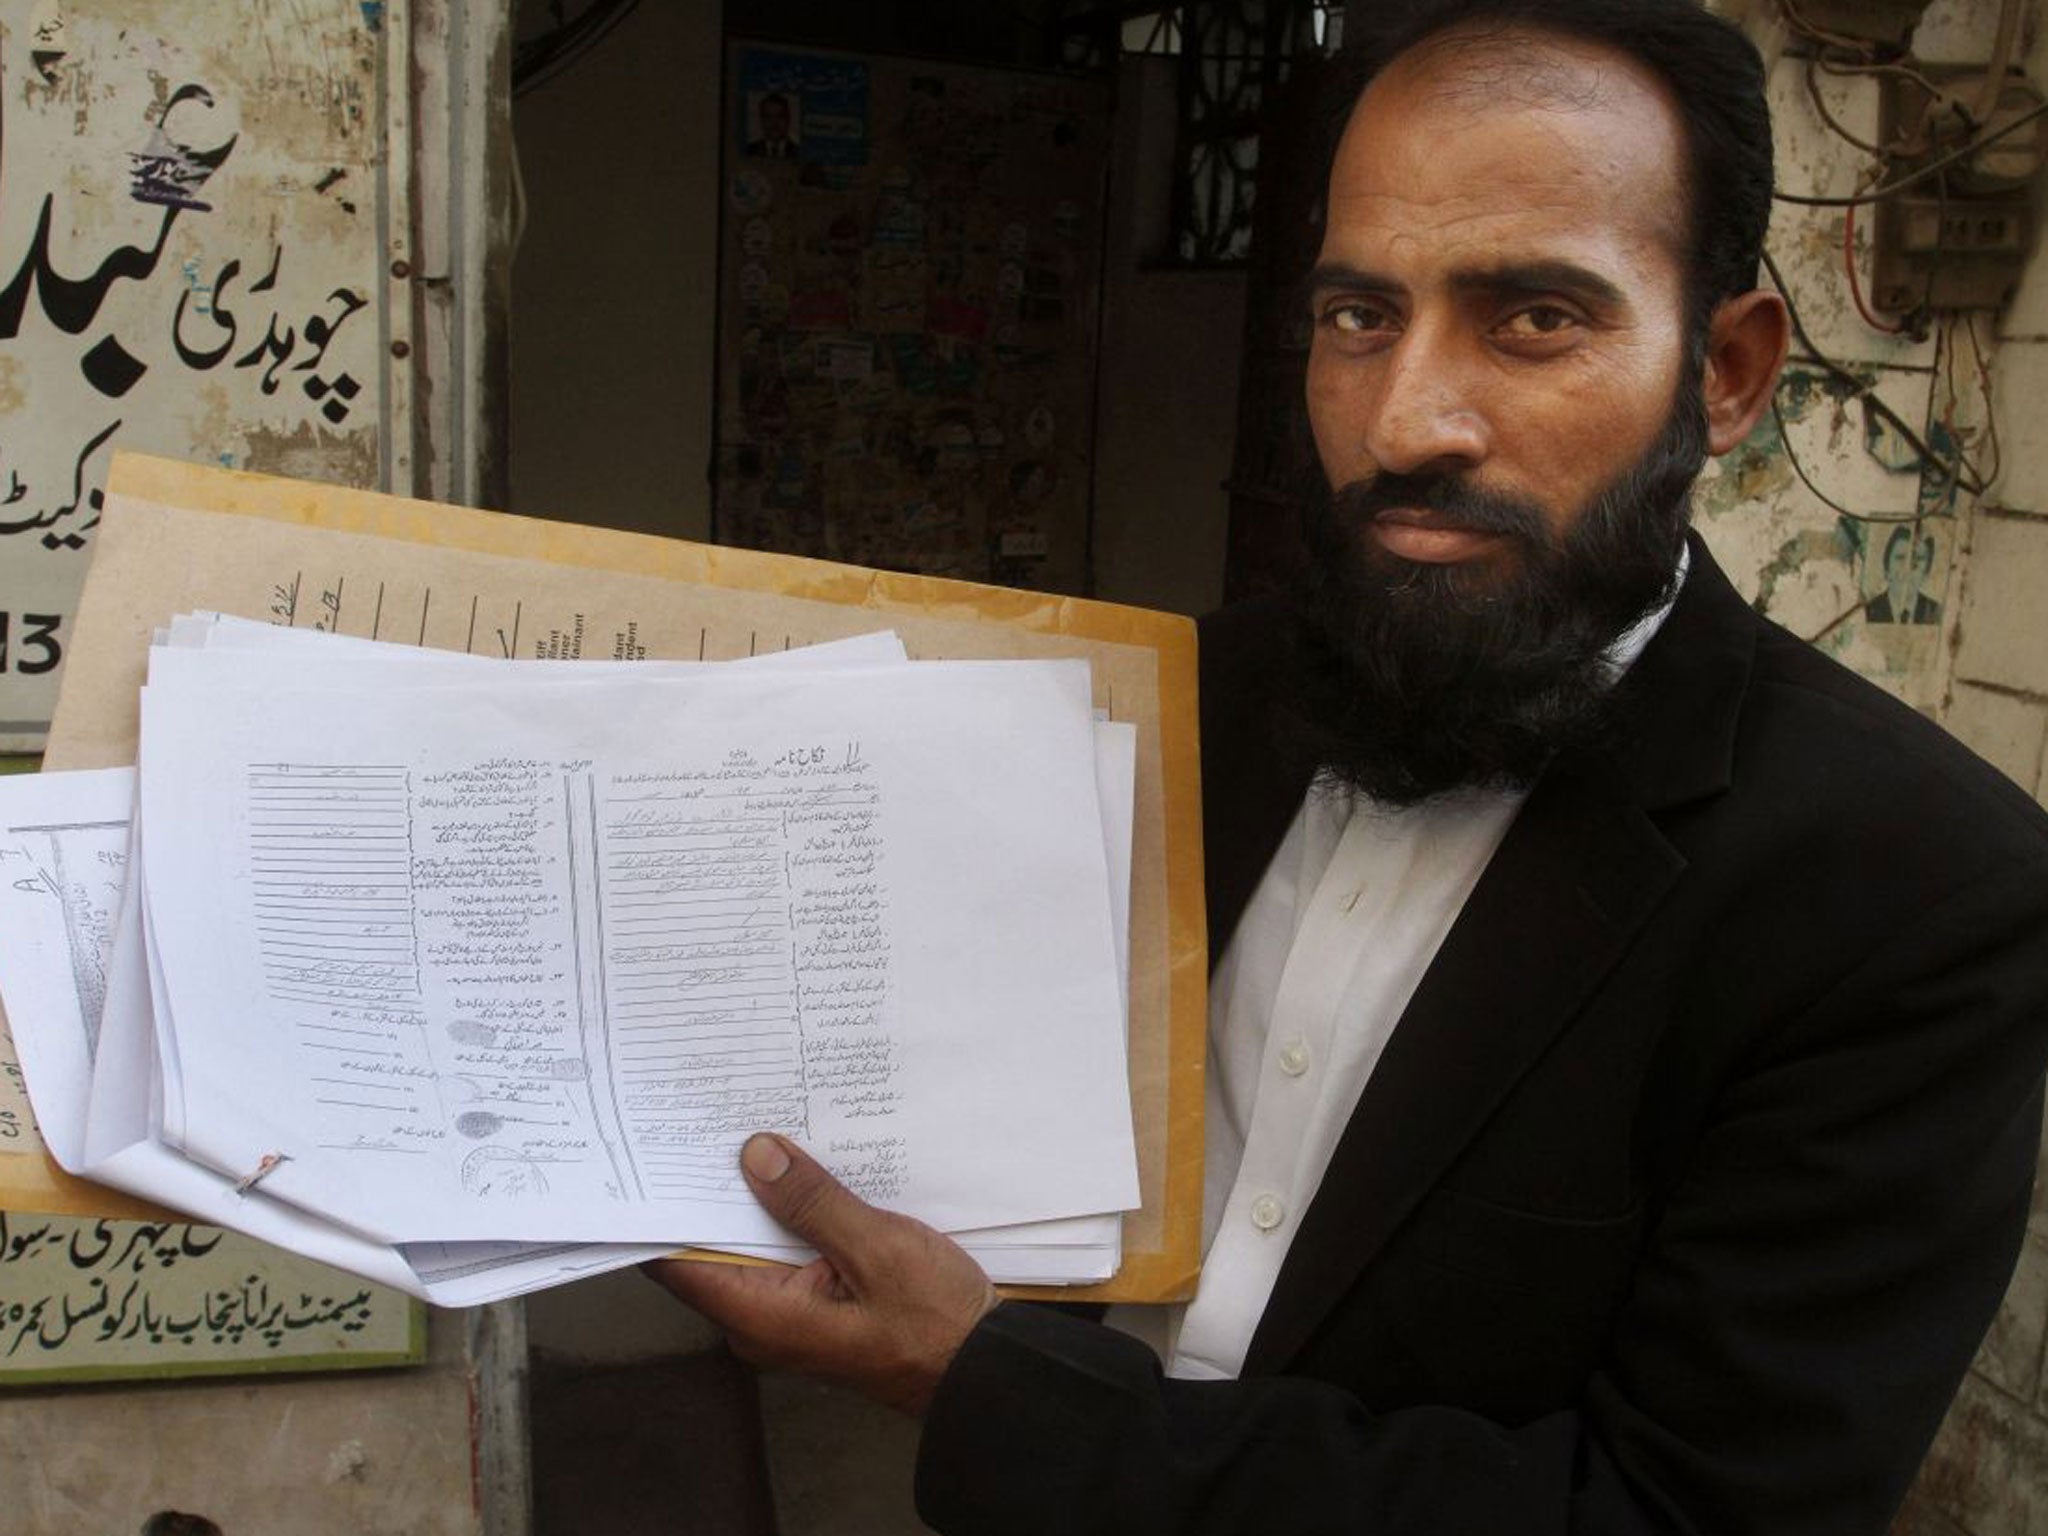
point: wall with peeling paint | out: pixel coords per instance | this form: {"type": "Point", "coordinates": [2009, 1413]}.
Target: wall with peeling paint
{"type": "Point", "coordinates": [303, 1457]}
{"type": "Point", "coordinates": [191, 258]}
{"type": "Point", "coordinates": [199, 215]}
{"type": "Point", "coordinates": [1978, 663]}
{"type": "Point", "coordinates": [1808, 565]}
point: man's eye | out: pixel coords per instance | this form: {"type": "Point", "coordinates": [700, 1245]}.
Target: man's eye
{"type": "Point", "coordinates": [1355, 319]}
{"type": "Point", "coordinates": [1539, 320]}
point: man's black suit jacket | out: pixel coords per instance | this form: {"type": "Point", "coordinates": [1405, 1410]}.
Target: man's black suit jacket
{"type": "Point", "coordinates": [1685, 1188]}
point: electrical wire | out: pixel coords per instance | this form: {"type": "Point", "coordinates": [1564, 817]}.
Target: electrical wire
{"type": "Point", "coordinates": [1957, 471]}
{"type": "Point", "coordinates": [1897, 68]}
{"type": "Point", "coordinates": [1799, 469]}
{"type": "Point", "coordinates": [1993, 88]}
{"type": "Point", "coordinates": [1913, 178]}
{"type": "Point", "coordinates": [1990, 407]}
{"type": "Point", "coordinates": [1828, 117]}
{"type": "Point", "coordinates": [1859, 389]}
{"type": "Point", "coordinates": [1855, 283]}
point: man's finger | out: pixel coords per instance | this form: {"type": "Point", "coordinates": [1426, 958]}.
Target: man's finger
{"type": "Point", "coordinates": [710, 1287]}
{"type": "Point", "coordinates": [768, 1300]}
{"type": "Point", "coordinates": [809, 1201]}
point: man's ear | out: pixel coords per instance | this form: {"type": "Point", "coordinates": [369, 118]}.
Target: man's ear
{"type": "Point", "coordinates": [1746, 344]}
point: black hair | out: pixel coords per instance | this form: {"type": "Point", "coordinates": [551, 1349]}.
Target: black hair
{"type": "Point", "coordinates": [1923, 550]}
{"type": "Point", "coordinates": [1714, 75]}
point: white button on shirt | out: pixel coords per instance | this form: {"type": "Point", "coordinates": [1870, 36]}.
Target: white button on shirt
{"type": "Point", "coordinates": [1382, 888]}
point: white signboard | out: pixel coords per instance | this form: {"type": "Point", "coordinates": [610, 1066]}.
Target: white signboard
{"type": "Point", "coordinates": [190, 264]}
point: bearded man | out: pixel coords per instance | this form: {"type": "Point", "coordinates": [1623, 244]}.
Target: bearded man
{"type": "Point", "coordinates": [1627, 1036]}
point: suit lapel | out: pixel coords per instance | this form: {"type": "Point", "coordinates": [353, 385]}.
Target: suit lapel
{"type": "Point", "coordinates": [1578, 874]}
{"type": "Point", "coordinates": [1572, 882]}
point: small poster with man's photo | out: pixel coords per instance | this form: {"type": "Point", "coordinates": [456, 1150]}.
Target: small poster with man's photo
{"type": "Point", "coordinates": [1900, 578]}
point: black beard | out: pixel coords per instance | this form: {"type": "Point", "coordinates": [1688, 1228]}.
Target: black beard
{"type": "Point", "coordinates": [1412, 679]}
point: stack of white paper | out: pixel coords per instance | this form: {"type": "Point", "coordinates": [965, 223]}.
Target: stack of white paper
{"type": "Point", "coordinates": [471, 976]}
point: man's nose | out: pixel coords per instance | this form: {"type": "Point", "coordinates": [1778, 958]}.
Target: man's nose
{"type": "Point", "coordinates": [1427, 417]}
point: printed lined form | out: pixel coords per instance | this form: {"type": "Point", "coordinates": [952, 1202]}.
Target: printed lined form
{"type": "Point", "coordinates": [750, 961]}
{"type": "Point", "coordinates": [526, 964]}
{"type": "Point", "coordinates": [712, 915]}
{"type": "Point", "coordinates": [339, 938]}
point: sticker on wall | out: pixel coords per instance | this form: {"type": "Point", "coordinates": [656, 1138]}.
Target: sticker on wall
{"type": "Point", "coordinates": [802, 108]}
{"type": "Point", "coordinates": [1024, 544]}
{"type": "Point", "coordinates": [752, 192]}
{"type": "Point", "coordinates": [821, 309]}
{"type": "Point", "coordinates": [1032, 481]}
{"type": "Point", "coordinates": [1903, 576]}
{"type": "Point", "coordinates": [900, 219]}
{"type": "Point", "coordinates": [846, 358]}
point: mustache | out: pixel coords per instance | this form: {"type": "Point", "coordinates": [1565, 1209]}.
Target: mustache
{"type": "Point", "coordinates": [1455, 501]}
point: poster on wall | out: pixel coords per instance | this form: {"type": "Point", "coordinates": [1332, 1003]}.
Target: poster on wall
{"type": "Point", "coordinates": [189, 265]}
{"type": "Point", "coordinates": [910, 267]}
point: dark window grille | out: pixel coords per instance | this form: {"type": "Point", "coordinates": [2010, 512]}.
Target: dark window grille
{"type": "Point", "coordinates": [1232, 53]}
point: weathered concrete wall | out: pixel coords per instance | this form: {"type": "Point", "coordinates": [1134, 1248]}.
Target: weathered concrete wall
{"type": "Point", "coordinates": [374, 1454]}
{"type": "Point", "coordinates": [1980, 667]}
{"type": "Point", "coordinates": [1813, 567]}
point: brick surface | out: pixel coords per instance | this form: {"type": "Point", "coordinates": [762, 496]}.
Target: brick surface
{"type": "Point", "coordinates": [2027, 314]}
{"type": "Point", "coordinates": [2037, 1211]}
{"type": "Point", "coordinates": [2004, 638]}
{"type": "Point", "coordinates": [2010, 1358]}
{"type": "Point", "coordinates": [1986, 1472]}
{"type": "Point", "coordinates": [1919, 1518]}
{"type": "Point", "coordinates": [2019, 375]}
{"type": "Point", "coordinates": [2004, 729]}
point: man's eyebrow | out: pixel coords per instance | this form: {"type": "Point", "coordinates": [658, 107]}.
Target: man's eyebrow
{"type": "Point", "coordinates": [1508, 278]}
{"type": "Point", "coordinates": [1532, 278]}
{"type": "Point", "coordinates": [1338, 274]}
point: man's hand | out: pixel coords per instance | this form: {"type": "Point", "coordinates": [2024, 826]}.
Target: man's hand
{"type": "Point", "coordinates": [882, 1309]}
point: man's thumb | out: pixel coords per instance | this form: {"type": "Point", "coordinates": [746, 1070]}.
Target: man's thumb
{"type": "Point", "coordinates": [804, 1197]}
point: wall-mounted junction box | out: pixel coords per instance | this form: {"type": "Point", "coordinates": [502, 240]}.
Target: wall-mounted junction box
{"type": "Point", "coordinates": [1890, 22]}
{"type": "Point", "coordinates": [1958, 239]}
